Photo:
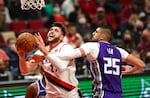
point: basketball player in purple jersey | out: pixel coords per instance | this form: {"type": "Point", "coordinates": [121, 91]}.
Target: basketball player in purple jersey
{"type": "Point", "coordinates": [37, 88]}
{"type": "Point", "coordinates": [105, 63]}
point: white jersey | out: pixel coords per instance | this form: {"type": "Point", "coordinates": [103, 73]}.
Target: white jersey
{"type": "Point", "coordinates": [93, 51]}
{"type": "Point", "coordinates": [67, 74]}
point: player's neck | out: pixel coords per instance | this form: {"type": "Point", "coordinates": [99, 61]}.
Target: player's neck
{"type": "Point", "coordinates": [53, 45]}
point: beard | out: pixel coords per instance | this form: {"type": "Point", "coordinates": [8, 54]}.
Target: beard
{"type": "Point", "coordinates": [54, 40]}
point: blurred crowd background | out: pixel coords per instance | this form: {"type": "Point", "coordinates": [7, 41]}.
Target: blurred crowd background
{"type": "Point", "coordinates": [129, 21]}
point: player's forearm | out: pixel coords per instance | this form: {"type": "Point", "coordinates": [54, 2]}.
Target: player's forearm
{"type": "Point", "coordinates": [138, 65]}
{"type": "Point", "coordinates": [26, 66]}
{"type": "Point", "coordinates": [70, 55]}
{"type": "Point", "coordinates": [22, 65]}
{"type": "Point", "coordinates": [134, 70]}
{"type": "Point", "coordinates": [61, 60]}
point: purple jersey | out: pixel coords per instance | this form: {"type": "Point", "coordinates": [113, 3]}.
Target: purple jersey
{"type": "Point", "coordinates": [41, 89]}
{"type": "Point", "coordinates": [106, 72]}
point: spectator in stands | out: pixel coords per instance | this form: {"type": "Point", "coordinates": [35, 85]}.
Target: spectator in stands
{"type": "Point", "coordinates": [147, 6]}
{"type": "Point", "coordinates": [73, 16]}
{"type": "Point", "coordinates": [83, 27]}
{"type": "Point", "coordinates": [147, 22]}
{"type": "Point", "coordinates": [144, 44]}
{"type": "Point", "coordinates": [135, 25]}
{"type": "Point", "coordinates": [67, 6]}
{"type": "Point", "coordinates": [73, 37]}
{"type": "Point", "coordinates": [14, 59]}
{"type": "Point", "coordinates": [2, 15]}
{"type": "Point", "coordinates": [113, 6]}
{"type": "Point", "coordinates": [128, 42]}
{"type": "Point", "coordinates": [5, 75]}
{"type": "Point", "coordinates": [129, 24]}
{"type": "Point", "coordinates": [3, 55]}
{"type": "Point", "coordinates": [100, 18]}
{"type": "Point", "coordinates": [56, 16]}
{"type": "Point", "coordinates": [133, 8]}
{"type": "Point", "coordinates": [103, 17]}
{"type": "Point", "coordinates": [89, 7]}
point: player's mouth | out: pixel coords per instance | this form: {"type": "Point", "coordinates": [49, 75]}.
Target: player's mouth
{"type": "Point", "coordinates": [51, 35]}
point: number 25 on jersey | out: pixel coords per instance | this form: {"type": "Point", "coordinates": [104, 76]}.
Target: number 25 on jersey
{"type": "Point", "coordinates": [110, 66]}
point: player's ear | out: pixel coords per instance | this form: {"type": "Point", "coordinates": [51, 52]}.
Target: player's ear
{"type": "Point", "coordinates": [61, 37]}
{"type": "Point", "coordinates": [102, 37]}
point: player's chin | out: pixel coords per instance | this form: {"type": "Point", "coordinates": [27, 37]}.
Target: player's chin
{"type": "Point", "coordinates": [94, 40]}
{"type": "Point", "coordinates": [49, 39]}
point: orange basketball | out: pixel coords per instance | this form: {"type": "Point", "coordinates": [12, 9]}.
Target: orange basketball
{"type": "Point", "coordinates": [26, 42]}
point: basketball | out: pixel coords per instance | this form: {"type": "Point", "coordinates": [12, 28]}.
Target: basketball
{"type": "Point", "coordinates": [26, 42]}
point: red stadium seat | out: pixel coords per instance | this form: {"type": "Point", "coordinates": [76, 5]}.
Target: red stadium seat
{"type": "Point", "coordinates": [2, 41]}
{"type": "Point", "coordinates": [36, 25]}
{"type": "Point", "coordinates": [19, 26]}
{"type": "Point", "coordinates": [44, 36]}
{"type": "Point", "coordinates": [125, 2]}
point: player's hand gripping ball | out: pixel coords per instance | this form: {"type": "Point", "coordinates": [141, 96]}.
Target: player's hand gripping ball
{"type": "Point", "coordinates": [26, 42]}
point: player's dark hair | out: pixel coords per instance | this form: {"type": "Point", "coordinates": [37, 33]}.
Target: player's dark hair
{"type": "Point", "coordinates": [60, 25]}
{"type": "Point", "coordinates": [107, 30]}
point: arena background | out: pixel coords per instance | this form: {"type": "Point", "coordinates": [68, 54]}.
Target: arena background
{"type": "Point", "coordinates": [134, 86]}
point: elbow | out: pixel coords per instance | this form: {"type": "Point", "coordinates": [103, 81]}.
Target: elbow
{"type": "Point", "coordinates": [24, 71]}
{"type": "Point", "coordinates": [141, 66]}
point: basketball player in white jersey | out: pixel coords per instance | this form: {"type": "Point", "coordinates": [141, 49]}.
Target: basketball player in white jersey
{"type": "Point", "coordinates": [105, 63]}
{"type": "Point", "coordinates": [60, 80]}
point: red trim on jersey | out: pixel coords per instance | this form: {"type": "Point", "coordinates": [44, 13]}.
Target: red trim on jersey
{"type": "Point", "coordinates": [58, 82]}
{"type": "Point", "coordinates": [53, 46]}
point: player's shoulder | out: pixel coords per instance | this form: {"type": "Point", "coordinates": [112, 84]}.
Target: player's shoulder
{"type": "Point", "coordinates": [90, 44]}
{"type": "Point", "coordinates": [64, 44]}
{"type": "Point", "coordinates": [32, 88]}
{"type": "Point", "coordinates": [65, 47]}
